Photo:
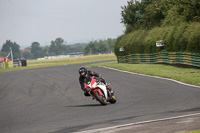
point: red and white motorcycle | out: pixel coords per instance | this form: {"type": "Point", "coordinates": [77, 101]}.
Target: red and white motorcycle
{"type": "Point", "coordinates": [99, 91]}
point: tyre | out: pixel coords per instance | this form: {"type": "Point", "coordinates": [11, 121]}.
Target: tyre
{"type": "Point", "coordinates": [101, 99]}
{"type": "Point", "coordinates": [113, 99]}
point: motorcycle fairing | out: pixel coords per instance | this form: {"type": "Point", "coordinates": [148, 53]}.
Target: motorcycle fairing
{"type": "Point", "coordinates": [103, 88]}
{"type": "Point", "coordinates": [90, 81]}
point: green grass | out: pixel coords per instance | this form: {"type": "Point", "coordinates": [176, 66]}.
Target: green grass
{"type": "Point", "coordinates": [71, 60]}
{"type": "Point", "coordinates": [194, 131]}
{"type": "Point", "coordinates": [187, 75]}
{"type": "Point", "coordinates": [63, 61]}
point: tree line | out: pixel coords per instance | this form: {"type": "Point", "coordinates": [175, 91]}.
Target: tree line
{"type": "Point", "coordinates": [176, 22]}
{"type": "Point", "coordinates": [57, 47]}
{"type": "Point", "coordinates": [151, 13]}
{"type": "Point", "coordinates": [101, 46]}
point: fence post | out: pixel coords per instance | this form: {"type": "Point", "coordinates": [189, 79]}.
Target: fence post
{"type": "Point", "coordinates": [195, 59]}
{"type": "Point", "coordinates": [153, 58]}
{"type": "Point", "coordinates": [133, 58]}
{"type": "Point", "coordinates": [165, 57]}
{"type": "Point", "coordinates": [142, 59]}
{"type": "Point", "coordinates": [179, 58]}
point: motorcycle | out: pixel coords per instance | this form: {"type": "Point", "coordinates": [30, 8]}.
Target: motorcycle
{"type": "Point", "coordinates": [99, 91]}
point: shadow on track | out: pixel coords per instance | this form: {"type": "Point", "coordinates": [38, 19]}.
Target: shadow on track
{"type": "Point", "coordinates": [86, 105]}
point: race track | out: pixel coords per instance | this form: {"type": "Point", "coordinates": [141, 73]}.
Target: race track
{"type": "Point", "coordinates": [49, 100]}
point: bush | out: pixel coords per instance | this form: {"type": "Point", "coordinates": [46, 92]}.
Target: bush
{"type": "Point", "coordinates": [193, 38]}
{"type": "Point", "coordinates": [132, 43]}
{"type": "Point", "coordinates": [184, 37]}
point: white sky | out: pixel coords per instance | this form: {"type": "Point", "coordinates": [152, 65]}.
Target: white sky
{"type": "Point", "coordinates": [26, 21]}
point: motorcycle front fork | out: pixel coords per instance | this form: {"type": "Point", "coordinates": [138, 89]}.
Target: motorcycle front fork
{"type": "Point", "coordinates": [110, 92]}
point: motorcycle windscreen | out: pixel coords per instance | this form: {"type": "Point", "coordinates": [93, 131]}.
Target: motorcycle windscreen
{"type": "Point", "coordinates": [88, 80]}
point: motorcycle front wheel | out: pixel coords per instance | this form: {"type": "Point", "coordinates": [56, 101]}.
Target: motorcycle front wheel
{"type": "Point", "coordinates": [101, 99]}
{"type": "Point", "coordinates": [113, 99]}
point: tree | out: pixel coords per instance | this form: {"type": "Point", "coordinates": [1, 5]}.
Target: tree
{"type": "Point", "coordinates": [91, 48]}
{"type": "Point", "coordinates": [27, 55]}
{"type": "Point", "coordinates": [45, 50]}
{"type": "Point", "coordinates": [15, 49]}
{"type": "Point", "coordinates": [57, 46]}
{"type": "Point", "coordinates": [155, 12]}
{"type": "Point", "coordinates": [67, 49]}
{"type": "Point", "coordinates": [101, 46]}
{"type": "Point", "coordinates": [111, 43]}
{"type": "Point", "coordinates": [150, 13]}
{"type": "Point", "coordinates": [134, 15]}
{"type": "Point", "coordinates": [36, 50]}
{"type": "Point", "coordinates": [3, 54]}
{"type": "Point", "coordinates": [184, 10]}
{"type": "Point", "coordinates": [173, 17]}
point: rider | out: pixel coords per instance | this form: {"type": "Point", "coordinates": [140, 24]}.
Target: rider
{"type": "Point", "coordinates": [84, 73]}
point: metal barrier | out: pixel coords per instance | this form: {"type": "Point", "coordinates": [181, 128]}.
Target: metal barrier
{"type": "Point", "coordinates": [192, 59]}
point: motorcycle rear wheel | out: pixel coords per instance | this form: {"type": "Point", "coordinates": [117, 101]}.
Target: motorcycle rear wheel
{"type": "Point", "coordinates": [101, 99]}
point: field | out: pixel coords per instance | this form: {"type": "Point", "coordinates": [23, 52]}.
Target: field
{"type": "Point", "coordinates": [70, 60]}
{"type": "Point", "coordinates": [64, 61]}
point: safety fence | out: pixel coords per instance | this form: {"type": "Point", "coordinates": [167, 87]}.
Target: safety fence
{"type": "Point", "coordinates": [192, 59]}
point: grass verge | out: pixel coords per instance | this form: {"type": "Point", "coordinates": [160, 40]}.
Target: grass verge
{"type": "Point", "coordinates": [194, 131]}
{"type": "Point", "coordinates": [64, 61]}
{"type": "Point", "coordinates": [187, 75]}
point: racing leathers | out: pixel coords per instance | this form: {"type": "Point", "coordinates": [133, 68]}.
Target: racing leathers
{"type": "Point", "coordinates": [89, 74]}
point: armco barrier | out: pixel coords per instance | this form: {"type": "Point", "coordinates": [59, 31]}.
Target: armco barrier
{"type": "Point", "coordinates": [192, 59]}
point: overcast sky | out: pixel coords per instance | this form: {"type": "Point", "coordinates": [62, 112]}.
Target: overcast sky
{"type": "Point", "coordinates": [27, 21]}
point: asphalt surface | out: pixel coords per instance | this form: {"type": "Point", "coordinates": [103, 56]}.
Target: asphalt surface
{"type": "Point", "coordinates": [49, 100]}
{"type": "Point", "coordinates": [175, 125]}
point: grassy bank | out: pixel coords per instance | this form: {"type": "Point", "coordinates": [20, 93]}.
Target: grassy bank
{"type": "Point", "coordinates": [187, 75]}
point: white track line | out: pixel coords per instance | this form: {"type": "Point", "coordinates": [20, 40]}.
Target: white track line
{"type": "Point", "coordinates": [153, 77]}
{"type": "Point", "coordinates": [137, 123]}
